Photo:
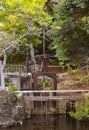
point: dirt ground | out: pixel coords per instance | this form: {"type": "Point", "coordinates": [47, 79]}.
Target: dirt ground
{"type": "Point", "coordinates": [65, 82]}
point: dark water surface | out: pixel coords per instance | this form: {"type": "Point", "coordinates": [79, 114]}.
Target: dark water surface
{"type": "Point", "coordinates": [60, 122]}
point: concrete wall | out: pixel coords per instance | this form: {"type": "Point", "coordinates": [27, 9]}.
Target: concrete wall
{"type": "Point", "coordinates": [28, 105]}
{"type": "Point", "coordinates": [16, 81]}
{"type": "Point", "coordinates": [61, 106]}
{"type": "Point", "coordinates": [47, 107]}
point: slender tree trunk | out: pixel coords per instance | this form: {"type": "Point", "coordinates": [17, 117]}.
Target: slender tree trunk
{"type": "Point", "coordinates": [2, 72]}
{"type": "Point", "coordinates": [32, 53]}
{"type": "Point", "coordinates": [32, 56]}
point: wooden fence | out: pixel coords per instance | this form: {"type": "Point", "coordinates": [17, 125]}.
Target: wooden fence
{"type": "Point", "coordinates": [22, 68]}
{"type": "Point", "coordinates": [15, 68]}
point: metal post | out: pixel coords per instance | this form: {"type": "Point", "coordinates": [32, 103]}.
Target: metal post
{"type": "Point", "coordinates": [44, 61]}
{"type": "Point", "coordinates": [43, 42]}
{"type": "Point", "coordinates": [27, 60]}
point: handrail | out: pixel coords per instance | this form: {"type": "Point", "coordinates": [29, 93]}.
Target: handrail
{"type": "Point", "coordinates": [52, 91]}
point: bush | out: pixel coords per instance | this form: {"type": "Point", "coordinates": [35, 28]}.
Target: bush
{"type": "Point", "coordinates": [43, 84]}
{"type": "Point", "coordinates": [82, 110]}
{"type": "Point", "coordinates": [12, 87]}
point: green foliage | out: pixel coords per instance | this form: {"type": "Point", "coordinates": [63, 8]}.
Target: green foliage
{"type": "Point", "coordinates": [85, 79]}
{"type": "Point", "coordinates": [12, 87]}
{"type": "Point", "coordinates": [82, 110]}
{"type": "Point", "coordinates": [21, 19]}
{"type": "Point", "coordinates": [79, 75]}
{"type": "Point", "coordinates": [7, 81]}
{"type": "Point", "coordinates": [80, 3]}
{"type": "Point", "coordinates": [19, 16]}
{"type": "Point", "coordinates": [68, 21]}
{"type": "Point", "coordinates": [69, 30]}
{"type": "Point", "coordinates": [39, 86]}
{"type": "Point", "coordinates": [44, 83]}
{"type": "Point", "coordinates": [8, 69]}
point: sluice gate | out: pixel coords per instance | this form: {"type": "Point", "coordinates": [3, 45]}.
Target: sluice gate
{"type": "Point", "coordinates": [44, 102]}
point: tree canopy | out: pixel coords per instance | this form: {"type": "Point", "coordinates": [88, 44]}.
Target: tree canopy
{"type": "Point", "coordinates": [22, 19]}
{"type": "Point", "coordinates": [18, 17]}
{"type": "Point", "coordinates": [68, 22]}
{"type": "Point", "coordinates": [70, 30]}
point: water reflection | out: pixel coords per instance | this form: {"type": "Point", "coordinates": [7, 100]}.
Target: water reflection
{"type": "Point", "coordinates": [61, 122]}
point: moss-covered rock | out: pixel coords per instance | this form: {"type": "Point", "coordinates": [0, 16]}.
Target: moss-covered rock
{"type": "Point", "coordinates": [10, 112]}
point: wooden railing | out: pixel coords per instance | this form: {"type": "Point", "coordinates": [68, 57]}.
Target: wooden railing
{"type": "Point", "coordinates": [22, 68]}
{"type": "Point", "coordinates": [15, 68]}
{"type": "Point", "coordinates": [53, 91]}
{"type": "Point", "coordinates": [47, 95]}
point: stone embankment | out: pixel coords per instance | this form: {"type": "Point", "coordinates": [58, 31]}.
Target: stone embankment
{"type": "Point", "coordinates": [15, 108]}
{"type": "Point", "coordinates": [11, 113]}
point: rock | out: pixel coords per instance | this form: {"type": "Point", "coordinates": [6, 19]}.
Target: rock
{"type": "Point", "coordinates": [76, 83]}
{"type": "Point", "coordinates": [10, 112]}
{"type": "Point", "coordinates": [7, 123]}
{"type": "Point", "coordinates": [86, 95]}
{"type": "Point", "coordinates": [18, 114]}
{"type": "Point", "coordinates": [60, 78]}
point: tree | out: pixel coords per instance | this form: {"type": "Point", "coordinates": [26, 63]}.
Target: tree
{"type": "Point", "coordinates": [21, 19]}
{"type": "Point", "coordinates": [70, 30]}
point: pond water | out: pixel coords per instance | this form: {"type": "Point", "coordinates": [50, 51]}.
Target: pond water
{"type": "Point", "coordinates": [61, 122]}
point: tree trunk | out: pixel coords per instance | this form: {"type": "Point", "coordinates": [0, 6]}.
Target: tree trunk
{"type": "Point", "coordinates": [2, 72]}
{"type": "Point", "coordinates": [32, 56]}
{"type": "Point", "coordinates": [32, 53]}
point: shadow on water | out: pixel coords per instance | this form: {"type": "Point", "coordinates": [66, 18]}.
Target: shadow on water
{"type": "Point", "coordinates": [57, 122]}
